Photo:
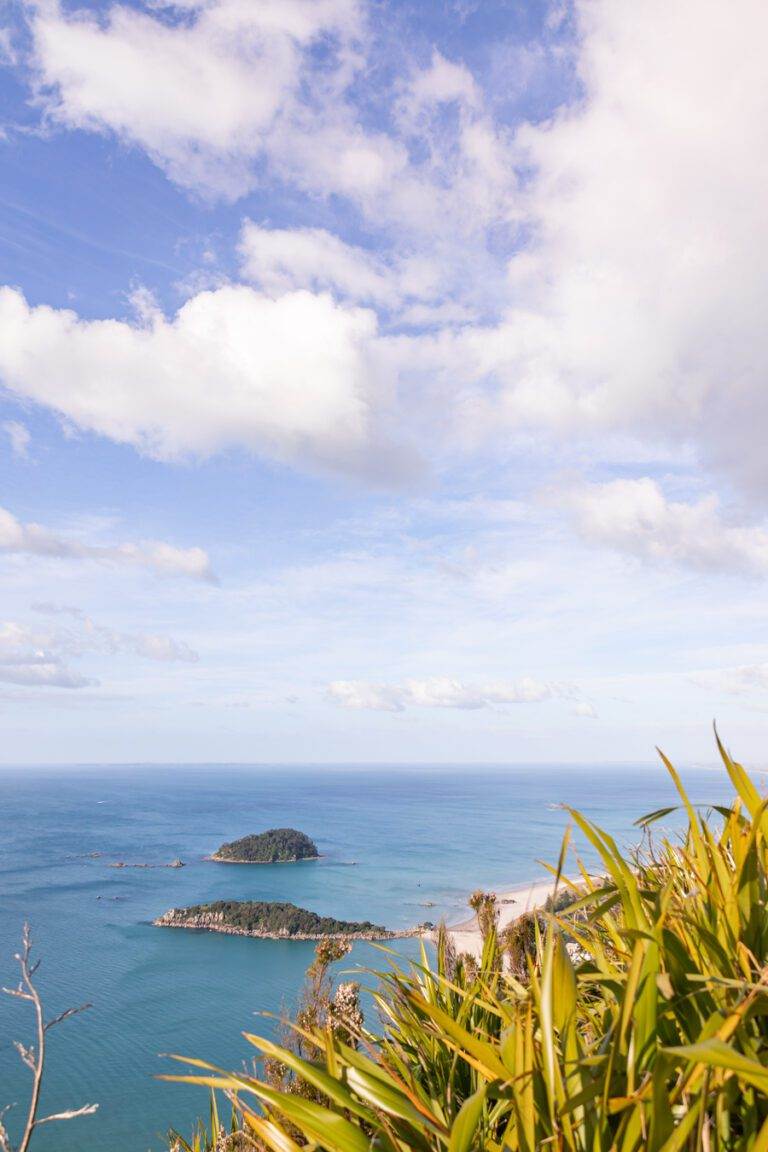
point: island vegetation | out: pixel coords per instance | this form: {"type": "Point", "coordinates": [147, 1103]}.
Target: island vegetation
{"type": "Point", "coordinates": [275, 846]}
{"type": "Point", "coordinates": [269, 919]}
{"type": "Point", "coordinates": [629, 1017]}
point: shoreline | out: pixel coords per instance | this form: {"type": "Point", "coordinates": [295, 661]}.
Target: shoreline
{"type": "Point", "coordinates": [513, 903]}
{"type": "Point", "coordinates": [214, 859]}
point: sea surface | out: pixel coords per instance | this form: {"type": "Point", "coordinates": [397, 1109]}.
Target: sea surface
{"type": "Point", "coordinates": [392, 840]}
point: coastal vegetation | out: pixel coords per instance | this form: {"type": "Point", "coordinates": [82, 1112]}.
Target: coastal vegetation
{"type": "Point", "coordinates": [272, 919]}
{"type": "Point", "coordinates": [275, 846]}
{"type": "Point", "coordinates": [322, 1008]}
{"type": "Point", "coordinates": [632, 1015]}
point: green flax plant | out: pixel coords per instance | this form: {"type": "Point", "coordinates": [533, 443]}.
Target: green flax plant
{"type": "Point", "coordinates": [635, 1017]}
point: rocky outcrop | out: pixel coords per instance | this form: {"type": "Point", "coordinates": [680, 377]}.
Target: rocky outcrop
{"type": "Point", "coordinates": [204, 918]}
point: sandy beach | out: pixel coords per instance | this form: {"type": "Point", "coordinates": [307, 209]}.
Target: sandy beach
{"type": "Point", "coordinates": [513, 902]}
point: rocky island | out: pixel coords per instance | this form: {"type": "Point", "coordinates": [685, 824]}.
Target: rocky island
{"type": "Point", "coordinates": [276, 846]}
{"type": "Point", "coordinates": [271, 920]}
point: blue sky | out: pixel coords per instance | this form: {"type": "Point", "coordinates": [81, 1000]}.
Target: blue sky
{"type": "Point", "coordinates": [382, 381]}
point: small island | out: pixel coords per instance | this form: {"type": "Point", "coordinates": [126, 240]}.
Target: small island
{"type": "Point", "coordinates": [271, 920]}
{"type": "Point", "coordinates": [276, 846]}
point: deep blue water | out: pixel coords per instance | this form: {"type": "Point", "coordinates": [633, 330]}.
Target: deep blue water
{"type": "Point", "coordinates": [391, 840]}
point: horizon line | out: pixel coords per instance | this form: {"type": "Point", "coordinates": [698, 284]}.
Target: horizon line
{"type": "Point", "coordinates": [364, 764]}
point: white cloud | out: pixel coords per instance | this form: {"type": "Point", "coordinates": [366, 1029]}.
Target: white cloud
{"type": "Point", "coordinates": [444, 692]}
{"type": "Point", "coordinates": [202, 95]}
{"type": "Point", "coordinates": [443, 82]}
{"type": "Point", "coordinates": [461, 178]}
{"type": "Point", "coordinates": [410, 287]}
{"type": "Point", "coordinates": [18, 438]}
{"type": "Point", "coordinates": [30, 659]}
{"type": "Point", "coordinates": [36, 657]}
{"type": "Point", "coordinates": [636, 305]}
{"type": "Point", "coordinates": [8, 52]}
{"type": "Point", "coordinates": [236, 95]}
{"type": "Point", "coordinates": [633, 302]}
{"type": "Point", "coordinates": [359, 694]}
{"type": "Point", "coordinates": [85, 635]}
{"type": "Point", "coordinates": [291, 378]}
{"type": "Point", "coordinates": [279, 260]}
{"type": "Point", "coordinates": [634, 516]}
{"type": "Point", "coordinates": [223, 100]}
{"type": "Point", "coordinates": [165, 559]}
{"type": "Point", "coordinates": [639, 302]}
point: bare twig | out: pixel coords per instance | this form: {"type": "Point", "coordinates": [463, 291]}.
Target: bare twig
{"type": "Point", "coordinates": [66, 1015]}
{"type": "Point", "coordinates": [34, 1055]}
{"type": "Point", "coordinates": [86, 1110]}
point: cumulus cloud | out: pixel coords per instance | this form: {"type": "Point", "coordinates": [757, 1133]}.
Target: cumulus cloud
{"type": "Point", "coordinates": [638, 303]}
{"type": "Point", "coordinates": [165, 559]}
{"type": "Point", "coordinates": [612, 248]}
{"type": "Point", "coordinates": [409, 287]}
{"type": "Point", "coordinates": [203, 95]}
{"type": "Point", "coordinates": [445, 692]}
{"type": "Point", "coordinates": [225, 96]}
{"type": "Point", "coordinates": [279, 260]}
{"type": "Point", "coordinates": [222, 95]}
{"type": "Point", "coordinates": [291, 378]}
{"type": "Point", "coordinates": [634, 516]}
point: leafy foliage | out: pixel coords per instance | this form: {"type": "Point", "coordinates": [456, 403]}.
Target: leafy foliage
{"type": "Point", "coordinates": [277, 845]}
{"type": "Point", "coordinates": [640, 1021]}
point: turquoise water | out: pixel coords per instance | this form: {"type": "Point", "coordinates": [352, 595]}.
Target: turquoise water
{"type": "Point", "coordinates": [392, 839]}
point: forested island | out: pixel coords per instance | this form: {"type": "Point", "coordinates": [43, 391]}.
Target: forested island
{"type": "Point", "coordinates": [276, 846]}
{"type": "Point", "coordinates": [270, 920]}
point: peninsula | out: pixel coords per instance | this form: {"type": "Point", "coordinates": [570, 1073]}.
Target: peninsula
{"type": "Point", "coordinates": [276, 846]}
{"type": "Point", "coordinates": [271, 920]}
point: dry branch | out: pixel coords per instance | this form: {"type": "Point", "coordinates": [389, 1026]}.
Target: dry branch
{"type": "Point", "coordinates": [33, 1056]}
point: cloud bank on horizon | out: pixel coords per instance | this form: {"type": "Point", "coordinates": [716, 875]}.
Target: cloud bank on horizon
{"type": "Point", "coordinates": [473, 299]}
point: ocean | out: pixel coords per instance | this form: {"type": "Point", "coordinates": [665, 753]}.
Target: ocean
{"type": "Point", "coordinates": [393, 840]}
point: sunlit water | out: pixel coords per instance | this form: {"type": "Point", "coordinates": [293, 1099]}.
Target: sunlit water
{"type": "Point", "coordinates": [393, 840]}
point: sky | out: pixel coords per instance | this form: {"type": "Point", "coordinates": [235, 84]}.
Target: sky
{"type": "Point", "coordinates": [383, 381]}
